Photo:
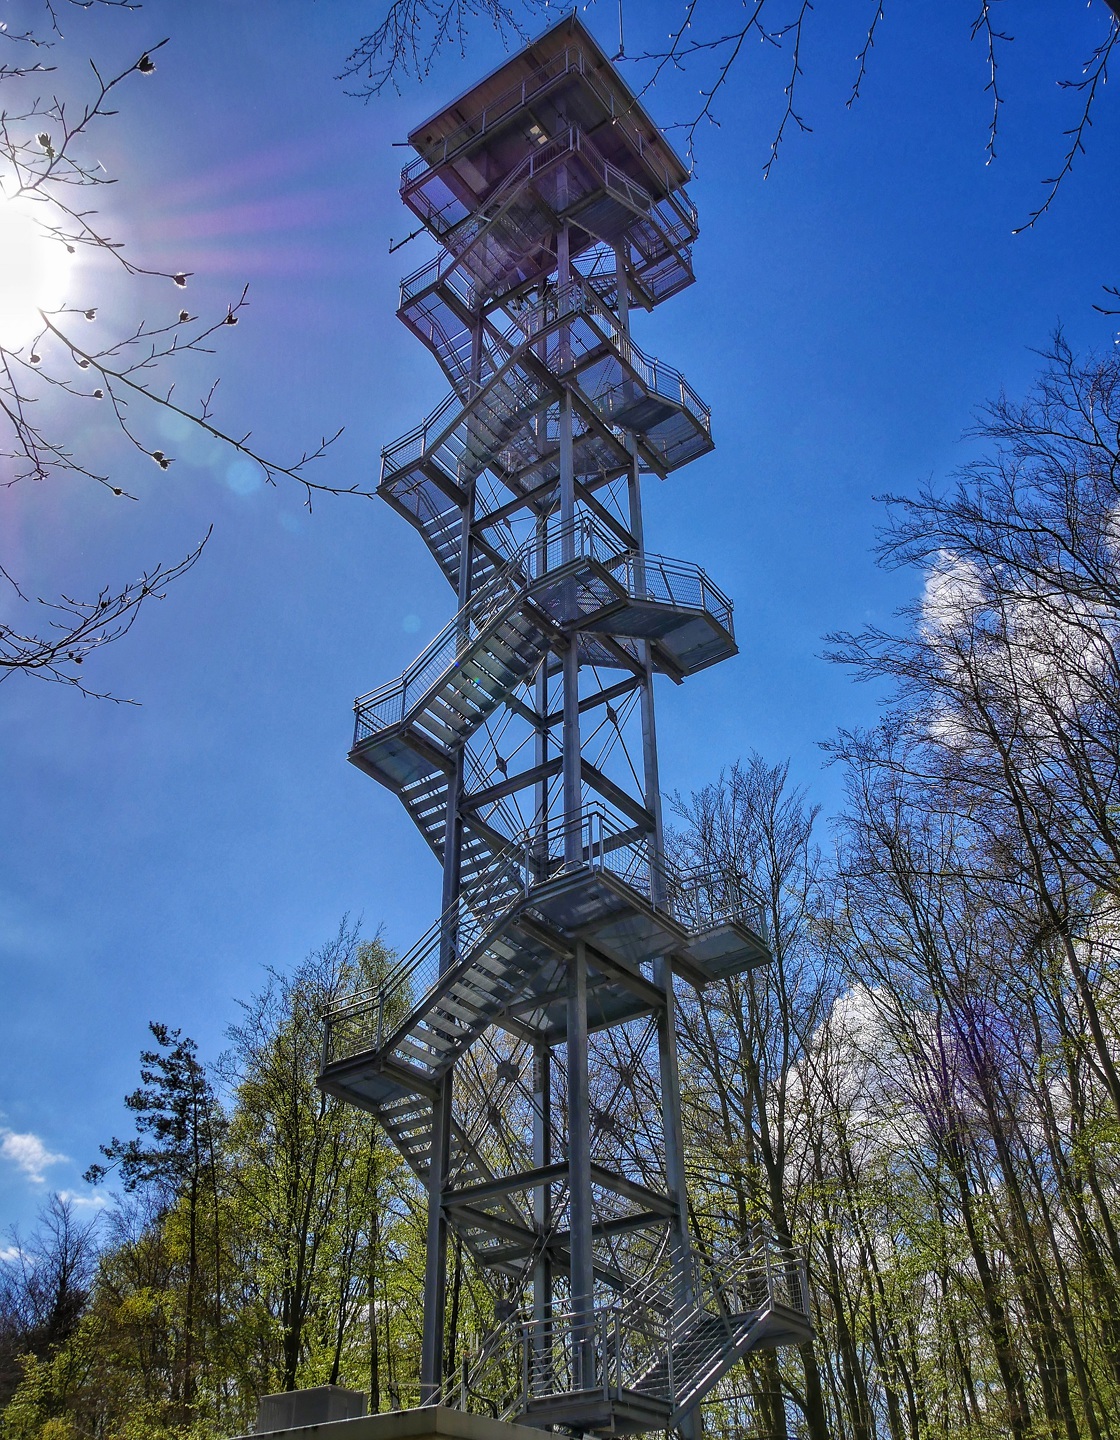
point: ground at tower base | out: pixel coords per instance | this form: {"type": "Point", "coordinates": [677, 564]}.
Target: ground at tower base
{"type": "Point", "coordinates": [430, 1422]}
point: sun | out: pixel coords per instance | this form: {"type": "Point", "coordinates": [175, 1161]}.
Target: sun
{"type": "Point", "coordinates": [33, 271]}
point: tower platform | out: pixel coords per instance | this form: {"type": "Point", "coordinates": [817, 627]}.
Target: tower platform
{"type": "Point", "coordinates": [431, 1422]}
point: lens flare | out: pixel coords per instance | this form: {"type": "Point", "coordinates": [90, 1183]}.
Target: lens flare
{"type": "Point", "coordinates": [33, 271]}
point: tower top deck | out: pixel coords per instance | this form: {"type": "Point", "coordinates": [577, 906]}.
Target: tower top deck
{"type": "Point", "coordinates": [561, 80]}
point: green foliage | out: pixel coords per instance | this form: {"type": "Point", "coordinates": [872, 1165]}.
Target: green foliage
{"type": "Point", "coordinates": [258, 1227]}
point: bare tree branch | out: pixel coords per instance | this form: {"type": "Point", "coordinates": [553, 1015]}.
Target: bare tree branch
{"type": "Point", "coordinates": [79, 627]}
{"type": "Point", "coordinates": [1094, 77]}
{"type": "Point", "coordinates": [412, 32]}
{"type": "Point", "coordinates": [982, 25]}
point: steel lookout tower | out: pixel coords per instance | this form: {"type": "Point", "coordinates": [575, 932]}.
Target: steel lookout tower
{"type": "Point", "coordinates": [522, 1056]}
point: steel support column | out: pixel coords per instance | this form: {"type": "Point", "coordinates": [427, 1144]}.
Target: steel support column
{"type": "Point", "coordinates": [579, 1173]}
{"type": "Point", "coordinates": [672, 1124]}
{"type": "Point", "coordinates": [542, 1196]}
{"type": "Point", "coordinates": [435, 1262]}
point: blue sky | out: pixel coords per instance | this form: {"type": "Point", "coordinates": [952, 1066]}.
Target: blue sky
{"type": "Point", "coordinates": [850, 313]}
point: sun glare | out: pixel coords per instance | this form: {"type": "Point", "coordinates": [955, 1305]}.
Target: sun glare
{"type": "Point", "coordinates": [33, 271]}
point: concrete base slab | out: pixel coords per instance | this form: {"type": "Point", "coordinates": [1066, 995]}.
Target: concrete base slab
{"type": "Point", "coordinates": [429, 1422]}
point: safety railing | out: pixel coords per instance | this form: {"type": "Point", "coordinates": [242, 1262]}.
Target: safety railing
{"type": "Point", "coordinates": [475, 126]}
{"type": "Point", "coordinates": [466, 433]}
{"type": "Point", "coordinates": [707, 896]}
{"type": "Point", "coordinates": [600, 842]}
{"type": "Point", "coordinates": [597, 840]}
{"type": "Point", "coordinates": [455, 223]}
{"type": "Point", "coordinates": [451, 219]}
{"type": "Point", "coordinates": [634, 1346]}
{"type": "Point", "coordinates": [578, 300]}
{"type": "Point", "coordinates": [389, 704]}
{"type": "Point", "coordinates": [586, 540]}
{"type": "Point", "coordinates": [673, 582]}
{"type": "Point", "coordinates": [364, 1022]}
{"type": "Point", "coordinates": [698, 900]}
{"type": "Point", "coordinates": [423, 289]}
{"type": "Point", "coordinates": [410, 448]}
{"type": "Point", "coordinates": [575, 1354]}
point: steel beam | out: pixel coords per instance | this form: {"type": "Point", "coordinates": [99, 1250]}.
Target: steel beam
{"type": "Point", "coordinates": [513, 783]}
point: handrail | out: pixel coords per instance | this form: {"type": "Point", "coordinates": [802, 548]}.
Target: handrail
{"type": "Point", "coordinates": [632, 1343]}
{"type": "Point", "coordinates": [460, 231]}
{"type": "Point", "coordinates": [435, 216]}
{"type": "Point", "coordinates": [578, 298]}
{"type": "Point", "coordinates": [424, 962]}
{"type": "Point", "coordinates": [709, 895]}
{"type": "Point", "coordinates": [440, 655]}
{"type": "Point", "coordinates": [532, 857]}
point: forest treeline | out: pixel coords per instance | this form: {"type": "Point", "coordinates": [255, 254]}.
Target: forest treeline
{"type": "Point", "coordinates": [922, 1091]}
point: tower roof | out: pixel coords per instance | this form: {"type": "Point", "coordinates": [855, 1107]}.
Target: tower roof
{"type": "Point", "coordinates": [562, 77]}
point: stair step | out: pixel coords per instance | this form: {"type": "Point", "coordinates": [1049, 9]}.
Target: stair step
{"type": "Point", "coordinates": [457, 717]}
{"type": "Point", "coordinates": [406, 1105]}
{"type": "Point", "coordinates": [428, 722]}
{"type": "Point", "coordinates": [457, 1010]}
{"type": "Point", "coordinates": [483, 988]}
{"type": "Point", "coordinates": [422, 1053]}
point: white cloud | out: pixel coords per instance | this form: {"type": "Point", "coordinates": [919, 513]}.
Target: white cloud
{"type": "Point", "coordinates": [1041, 650]}
{"type": "Point", "coordinates": [8, 1253]}
{"type": "Point", "coordinates": [29, 1153]}
{"type": "Point", "coordinates": [87, 1199]}
{"type": "Point", "coordinates": [954, 592]}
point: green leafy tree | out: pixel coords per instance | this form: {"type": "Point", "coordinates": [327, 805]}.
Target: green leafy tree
{"type": "Point", "coordinates": [175, 1157]}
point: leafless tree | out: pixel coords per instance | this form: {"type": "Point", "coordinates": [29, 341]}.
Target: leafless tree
{"type": "Point", "coordinates": [742, 1041]}
{"type": "Point", "coordinates": [977, 884]}
{"type": "Point", "coordinates": [1009, 672]}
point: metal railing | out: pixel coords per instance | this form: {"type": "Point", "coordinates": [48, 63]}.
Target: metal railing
{"type": "Point", "coordinates": [392, 702]}
{"type": "Point", "coordinates": [367, 1020]}
{"type": "Point", "coordinates": [673, 582]}
{"type": "Point", "coordinates": [645, 1344]}
{"type": "Point", "coordinates": [705, 897]}
{"type": "Point", "coordinates": [389, 704]}
{"type": "Point", "coordinates": [450, 218]}
{"type": "Point", "coordinates": [420, 291]}
{"type": "Point", "coordinates": [635, 1347]}
{"type": "Point", "coordinates": [456, 224]}
{"type": "Point", "coordinates": [598, 840]}
{"type": "Point", "coordinates": [579, 300]}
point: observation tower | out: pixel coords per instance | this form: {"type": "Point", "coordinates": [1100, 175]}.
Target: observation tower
{"type": "Point", "coordinates": [522, 1056]}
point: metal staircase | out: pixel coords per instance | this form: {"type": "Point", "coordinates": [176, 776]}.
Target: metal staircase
{"type": "Point", "coordinates": [522, 744]}
{"type": "Point", "coordinates": [644, 1362]}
